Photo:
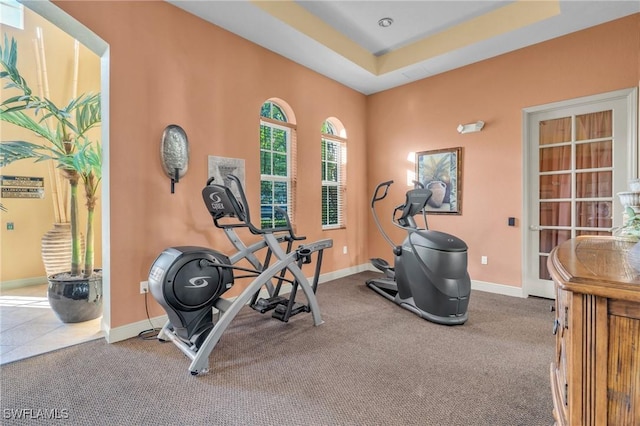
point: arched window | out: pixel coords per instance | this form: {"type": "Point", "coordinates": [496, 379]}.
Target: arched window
{"type": "Point", "coordinates": [276, 171]}
{"type": "Point", "coordinates": [334, 156]}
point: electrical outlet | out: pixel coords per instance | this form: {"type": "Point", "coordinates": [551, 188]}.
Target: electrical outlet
{"type": "Point", "coordinates": [10, 226]}
{"type": "Point", "coordinates": [144, 287]}
{"type": "Point", "coordinates": [484, 260]}
{"type": "Point", "coordinates": [344, 250]}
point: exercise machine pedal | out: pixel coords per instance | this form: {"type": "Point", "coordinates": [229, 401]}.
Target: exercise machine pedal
{"type": "Point", "coordinates": [263, 305]}
{"type": "Point", "coordinates": [284, 312]}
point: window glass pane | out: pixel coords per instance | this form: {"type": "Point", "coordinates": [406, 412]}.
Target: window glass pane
{"type": "Point", "coordinates": [593, 126]}
{"type": "Point", "coordinates": [592, 155]}
{"type": "Point", "coordinates": [280, 193]}
{"type": "Point", "coordinates": [558, 158]}
{"type": "Point", "coordinates": [585, 232]}
{"type": "Point", "coordinates": [279, 165]}
{"type": "Point", "coordinates": [280, 214]}
{"type": "Point", "coordinates": [330, 209]}
{"type": "Point", "coordinates": [279, 218]}
{"type": "Point", "coordinates": [555, 186]}
{"type": "Point", "coordinates": [555, 214]}
{"type": "Point", "coordinates": [332, 172]}
{"type": "Point", "coordinates": [265, 111]}
{"type": "Point", "coordinates": [277, 112]}
{"type": "Point", "coordinates": [332, 204]}
{"type": "Point", "coordinates": [324, 171]}
{"type": "Point", "coordinates": [266, 192]}
{"type": "Point", "coordinates": [555, 131]}
{"type": "Point", "coordinates": [328, 128]}
{"type": "Point", "coordinates": [273, 111]}
{"type": "Point", "coordinates": [594, 214]}
{"type": "Point", "coordinates": [265, 137]}
{"type": "Point", "coordinates": [265, 163]}
{"type": "Point", "coordinates": [594, 184]}
{"type": "Point", "coordinates": [279, 140]}
{"type": "Point", "coordinates": [266, 216]}
{"type": "Point", "coordinates": [324, 205]}
{"type": "Point", "coordinates": [549, 238]}
{"type": "Point", "coordinates": [332, 152]}
{"type": "Point", "coordinates": [543, 272]}
{"type": "Point", "coordinates": [323, 148]}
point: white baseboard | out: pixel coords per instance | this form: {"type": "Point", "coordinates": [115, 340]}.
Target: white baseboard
{"type": "Point", "coordinates": [329, 276]}
{"type": "Point", "coordinates": [24, 282]}
{"type": "Point", "coordinates": [132, 330]}
{"type": "Point", "coordinates": [128, 331]}
{"type": "Point", "coordinates": [505, 290]}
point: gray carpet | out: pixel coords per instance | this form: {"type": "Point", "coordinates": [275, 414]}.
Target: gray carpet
{"type": "Point", "coordinates": [370, 363]}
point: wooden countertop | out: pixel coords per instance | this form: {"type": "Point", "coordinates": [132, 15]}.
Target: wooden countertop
{"type": "Point", "coordinates": [595, 265]}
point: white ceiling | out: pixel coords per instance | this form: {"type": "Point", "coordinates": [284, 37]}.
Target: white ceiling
{"type": "Point", "coordinates": [343, 41]}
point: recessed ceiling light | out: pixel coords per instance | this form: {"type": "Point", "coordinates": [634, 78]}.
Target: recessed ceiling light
{"type": "Point", "coordinates": [385, 22]}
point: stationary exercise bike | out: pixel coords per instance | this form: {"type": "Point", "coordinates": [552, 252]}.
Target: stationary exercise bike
{"type": "Point", "coordinates": [189, 281]}
{"type": "Point", "coordinates": [429, 276]}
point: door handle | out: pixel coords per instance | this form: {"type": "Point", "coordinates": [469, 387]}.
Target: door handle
{"type": "Point", "coordinates": [534, 228]}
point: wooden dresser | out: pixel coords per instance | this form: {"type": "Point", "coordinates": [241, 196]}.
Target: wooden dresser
{"type": "Point", "coordinates": [595, 375]}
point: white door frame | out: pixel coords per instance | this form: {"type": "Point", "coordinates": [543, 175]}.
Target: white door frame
{"type": "Point", "coordinates": [77, 30]}
{"type": "Point", "coordinates": [630, 96]}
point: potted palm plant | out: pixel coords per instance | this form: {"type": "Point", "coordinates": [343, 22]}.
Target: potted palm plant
{"type": "Point", "coordinates": [75, 295]}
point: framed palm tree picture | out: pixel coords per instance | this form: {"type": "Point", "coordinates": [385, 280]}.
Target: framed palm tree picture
{"type": "Point", "coordinates": [440, 172]}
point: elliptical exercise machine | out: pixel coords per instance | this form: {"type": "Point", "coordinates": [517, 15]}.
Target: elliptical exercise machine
{"type": "Point", "coordinates": [188, 281]}
{"type": "Point", "coordinates": [429, 276]}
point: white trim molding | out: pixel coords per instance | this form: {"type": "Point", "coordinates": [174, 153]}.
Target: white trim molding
{"type": "Point", "coordinates": [128, 331]}
{"type": "Point", "coordinates": [23, 282]}
{"type": "Point", "coordinates": [506, 290]}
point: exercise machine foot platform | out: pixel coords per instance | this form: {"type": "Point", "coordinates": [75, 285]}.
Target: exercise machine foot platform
{"type": "Point", "coordinates": [189, 281]}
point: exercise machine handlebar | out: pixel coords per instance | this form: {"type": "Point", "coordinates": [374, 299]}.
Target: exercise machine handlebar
{"type": "Point", "coordinates": [376, 197]}
{"type": "Point", "coordinates": [402, 215]}
{"type": "Point", "coordinates": [226, 204]}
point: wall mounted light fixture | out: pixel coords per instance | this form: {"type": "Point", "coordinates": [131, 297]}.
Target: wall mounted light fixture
{"type": "Point", "coordinates": [471, 127]}
{"type": "Point", "coordinates": [174, 153]}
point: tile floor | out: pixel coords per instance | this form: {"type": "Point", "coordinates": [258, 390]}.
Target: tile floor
{"type": "Point", "coordinates": [29, 327]}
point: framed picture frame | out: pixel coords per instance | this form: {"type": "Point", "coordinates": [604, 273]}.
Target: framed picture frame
{"type": "Point", "coordinates": [440, 171]}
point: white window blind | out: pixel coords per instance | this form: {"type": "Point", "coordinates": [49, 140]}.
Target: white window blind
{"type": "Point", "coordinates": [333, 177]}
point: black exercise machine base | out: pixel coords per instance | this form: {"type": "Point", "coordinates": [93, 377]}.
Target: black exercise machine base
{"type": "Point", "coordinates": [383, 288]}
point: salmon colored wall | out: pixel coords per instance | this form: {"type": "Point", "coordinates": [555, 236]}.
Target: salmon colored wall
{"type": "Point", "coordinates": [424, 116]}
{"type": "Point", "coordinates": [169, 67]}
{"type": "Point", "coordinates": [20, 248]}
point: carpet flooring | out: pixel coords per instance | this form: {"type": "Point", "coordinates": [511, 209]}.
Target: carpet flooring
{"type": "Point", "coordinates": [370, 363]}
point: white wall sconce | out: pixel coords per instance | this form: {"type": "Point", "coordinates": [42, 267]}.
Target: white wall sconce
{"type": "Point", "coordinates": [470, 128]}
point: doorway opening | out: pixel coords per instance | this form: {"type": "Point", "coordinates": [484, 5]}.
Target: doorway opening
{"type": "Point", "coordinates": [29, 327]}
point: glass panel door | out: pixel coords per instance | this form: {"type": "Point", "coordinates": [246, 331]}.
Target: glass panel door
{"type": "Point", "coordinates": [579, 156]}
{"type": "Point", "coordinates": [575, 180]}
